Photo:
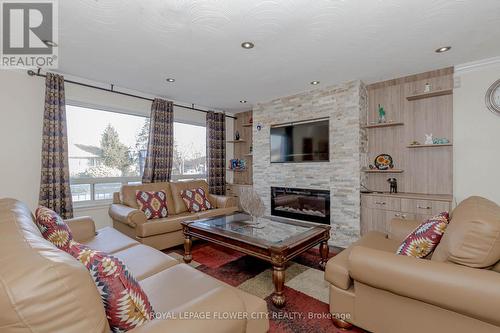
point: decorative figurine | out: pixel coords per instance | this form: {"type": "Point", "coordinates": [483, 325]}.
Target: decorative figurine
{"type": "Point", "coordinates": [440, 141]}
{"type": "Point", "coordinates": [427, 87]}
{"type": "Point", "coordinates": [259, 127]}
{"type": "Point", "coordinates": [237, 135]}
{"type": "Point", "coordinates": [381, 114]}
{"type": "Point", "coordinates": [394, 185]}
{"type": "Point", "coordinates": [414, 143]}
{"type": "Point", "coordinates": [428, 139]}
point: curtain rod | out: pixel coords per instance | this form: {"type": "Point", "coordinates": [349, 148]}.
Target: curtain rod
{"type": "Point", "coordinates": [33, 73]}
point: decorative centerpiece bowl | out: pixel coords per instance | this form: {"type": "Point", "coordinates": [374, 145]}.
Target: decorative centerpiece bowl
{"type": "Point", "coordinates": [252, 204]}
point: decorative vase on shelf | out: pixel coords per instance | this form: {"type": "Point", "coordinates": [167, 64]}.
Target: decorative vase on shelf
{"type": "Point", "coordinates": [237, 135]}
{"type": "Point", "coordinates": [381, 114]}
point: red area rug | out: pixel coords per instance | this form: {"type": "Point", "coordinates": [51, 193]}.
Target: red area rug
{"type": "Point", "coordinates": [306, 292]}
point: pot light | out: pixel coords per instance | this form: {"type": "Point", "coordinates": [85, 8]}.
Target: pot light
{"type": "Point", "coordinates": [314, 83]}
{"type": "Point", "coordinates": [49, 43]}
{"type": "Point", "coordinates": [170, 80]}
{"type": "Point", "coordinates": [443, 49]}
{"type": "Point", "coordinates": [247, 45]}
{"type": "Point", "coordinates": [243, 101]}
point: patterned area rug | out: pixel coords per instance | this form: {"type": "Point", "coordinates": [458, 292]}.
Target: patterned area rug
{"type": "Point", "coordinates": [306, 292]}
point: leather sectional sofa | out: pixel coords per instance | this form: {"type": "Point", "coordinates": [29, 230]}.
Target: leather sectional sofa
{"type": "Point", "coordinates": [44, 289]}
{"type": "Point", "coordinates": [456, 291]}
{"type": "Point", "coordinates": [166, 232]}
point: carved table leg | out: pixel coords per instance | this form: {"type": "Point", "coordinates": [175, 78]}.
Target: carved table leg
{"type": "Point", "coordinates": [187, 249]}
{"type": "Point", "coordinates": [323, 251]}
{"type": "Point", "coordinates": [278, 297]}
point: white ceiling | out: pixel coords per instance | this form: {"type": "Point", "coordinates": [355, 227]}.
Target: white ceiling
{"type": "Point", "coordinates": [137, 44]}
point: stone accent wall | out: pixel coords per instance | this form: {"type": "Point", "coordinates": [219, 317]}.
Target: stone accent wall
{"type": "Point", "coordinates": [345, 106]}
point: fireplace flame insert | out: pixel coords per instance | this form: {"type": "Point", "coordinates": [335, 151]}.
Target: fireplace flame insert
{"type": "Point", "coordinates": [301, 204]}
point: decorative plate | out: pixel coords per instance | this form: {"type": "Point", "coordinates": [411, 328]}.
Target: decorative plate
{"type": "Point", "coordinates": [384, 162]}
{"type": "Point", "coordinates": [493, 98]}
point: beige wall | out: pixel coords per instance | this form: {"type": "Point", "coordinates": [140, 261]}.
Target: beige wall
{"type": "Point", "coordinates": [476, 147]}
{"type": "Point", "coordinates": [21, 113]}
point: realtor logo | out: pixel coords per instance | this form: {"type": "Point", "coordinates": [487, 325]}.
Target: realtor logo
{"type": "Point", "coordinates": [29, 34]}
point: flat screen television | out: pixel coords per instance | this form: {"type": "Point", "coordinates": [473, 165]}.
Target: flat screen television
{"type": "Point", "coordinates": [301, 142]}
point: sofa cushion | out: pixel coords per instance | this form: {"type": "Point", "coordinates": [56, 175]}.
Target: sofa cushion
{"type": "Point", "coordinates": [152, 204]}
{"type": "Point", "coordinates": [473, 235]}
{"type": "Point", "coordinates": [196, 200]}
{"type": "Point", "coordinates": [143, 261]}
{"type": "Point", "coordinates": [178, 187]}
{"type": "Point", "coordinates": [337, 268]}
{"type": "Point", "coordinates": [53, 227]}
{"type": "Point", "coordinates": [110, 240]}
{"type": "Point", "coordinates": [161, 226]}
{"type": "Point", "coordinates": [128, 193]}
{"type": "Point", "coordinates": [125, 303]}
{"type": "Point", "coordinates": [424, 239]}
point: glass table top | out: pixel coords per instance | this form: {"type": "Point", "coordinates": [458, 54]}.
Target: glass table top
{"type": "Point", "coordinates": [273, 231]}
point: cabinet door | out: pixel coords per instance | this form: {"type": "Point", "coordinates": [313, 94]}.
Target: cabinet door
{"type": "Point", "coordinates": [400, 215]}
{"type": "Point", "coordinates": [373, 220]}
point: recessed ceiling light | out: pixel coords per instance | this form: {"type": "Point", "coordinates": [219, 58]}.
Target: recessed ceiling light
{"type": "Point", "coordinates": [243, 101]}
{"type": "Point", "coordinates": [314, 83]}
{"type": "Point", "coordinates": [443, 49]}
{"type": "Point", "coordinates": [49, 43]}
{"type": "Point", "coordinates": [247, 45]}
{"type": "Point", "coordinates": [170, 80]}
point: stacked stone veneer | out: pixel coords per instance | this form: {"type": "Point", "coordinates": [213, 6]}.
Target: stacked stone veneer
{"type": "Point", "coordinates": [345, 106]}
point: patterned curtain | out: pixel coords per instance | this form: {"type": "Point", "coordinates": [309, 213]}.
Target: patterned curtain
{"type": "Point", "coordinates": [216, 152]}
{"type": "Point", "coordinates": [158, 167]}
{"type": "Point", "coordinates": [55, 191]}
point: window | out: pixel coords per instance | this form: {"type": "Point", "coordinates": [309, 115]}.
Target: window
{"type": "Point", "coordinates": [190, 160]}
{"type": "Point", "coordinates": [108, 149]}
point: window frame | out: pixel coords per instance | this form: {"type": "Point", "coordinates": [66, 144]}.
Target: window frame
{"type": "Point", "coordinates": [123, 180]}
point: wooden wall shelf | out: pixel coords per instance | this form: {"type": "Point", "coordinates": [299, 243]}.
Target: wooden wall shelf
{"type": "Point", "coordinates": [430, 94]}
{"type": "Point", "coordinates": [429, 146]}
{"type": "Point", "coordinates": [235, 141]}
{"type": "Point", "coordinates": [383, 171]}
{"type": "Point", "coordinates": [384, 125]}
{"type": "Point", "coordinates": [237, 170]}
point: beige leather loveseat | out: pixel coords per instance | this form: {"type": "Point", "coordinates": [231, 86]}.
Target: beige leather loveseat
{"type": "Point", "coordinates": [456, 291]}
{"type": "Point", "coordinates": [166, 232]}
{"type": "Point", "coordinates": [44, 289]}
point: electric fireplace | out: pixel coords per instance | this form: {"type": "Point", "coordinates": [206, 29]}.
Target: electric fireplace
{"type": "Point", "coordinates": [301, 204]}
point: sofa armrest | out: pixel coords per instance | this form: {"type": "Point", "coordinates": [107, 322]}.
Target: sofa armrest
{"type": "Point", "coordinates": [127, 215]}
{"type": "Point", "coordinates": [469, 291]}
{"type": "Point", "coordinates": [399, 229]}
{"type": "Point", "coordinates": [214, 305]}
{"type": "Point", "coordinates": [222, 201]}
{"type": "Point", "coordinates": [82, 228]}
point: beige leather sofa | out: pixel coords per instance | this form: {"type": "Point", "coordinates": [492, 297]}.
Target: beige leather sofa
{"type": "Point", "coordinates": [457, 290]}
{"type": "Point", "coordinates": [166, 232]}
{"type": "Point", "coordinates": [44, 289]}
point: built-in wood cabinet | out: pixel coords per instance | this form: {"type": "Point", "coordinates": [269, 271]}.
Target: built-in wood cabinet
{"type": "Point", "coordinates": [424, 172]}
{"type": "Point", "coordinates": [377, 210]}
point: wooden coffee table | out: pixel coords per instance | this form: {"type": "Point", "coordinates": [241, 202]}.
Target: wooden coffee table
{"type": "Point", "coordinates": [273, 239]}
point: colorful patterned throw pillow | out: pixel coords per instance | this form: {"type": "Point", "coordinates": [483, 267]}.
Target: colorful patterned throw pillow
{"type": "Point", "coordinates": [196, 200]}
{"type": "Point", "coordinates": [153, 204]}
{"type": "Point", "coordinates": [126, 304]}
{"type": "Point", "coordinates": [53, 227]}
{"type": "Point", "coordinates": [424, 239]}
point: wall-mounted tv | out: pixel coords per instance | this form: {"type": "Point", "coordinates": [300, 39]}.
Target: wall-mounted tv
{"type": "Point", "coordinates": [301, 142]}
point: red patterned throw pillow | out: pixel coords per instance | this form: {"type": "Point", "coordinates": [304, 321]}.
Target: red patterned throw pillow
{"type": "Point", "coordinates": [196, 200]}
{"type": "Point", "coordinates": [153, 204]}
{"type": "Point", "coordinates": [424, 239]}
{"type": "Point", "coordinates": [126, 304]}
{"type": "Point", "coordinates": [53, 227]}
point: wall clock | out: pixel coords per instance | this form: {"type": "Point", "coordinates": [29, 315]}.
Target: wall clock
{"type": "Point", "coordinates": [493, 98]}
